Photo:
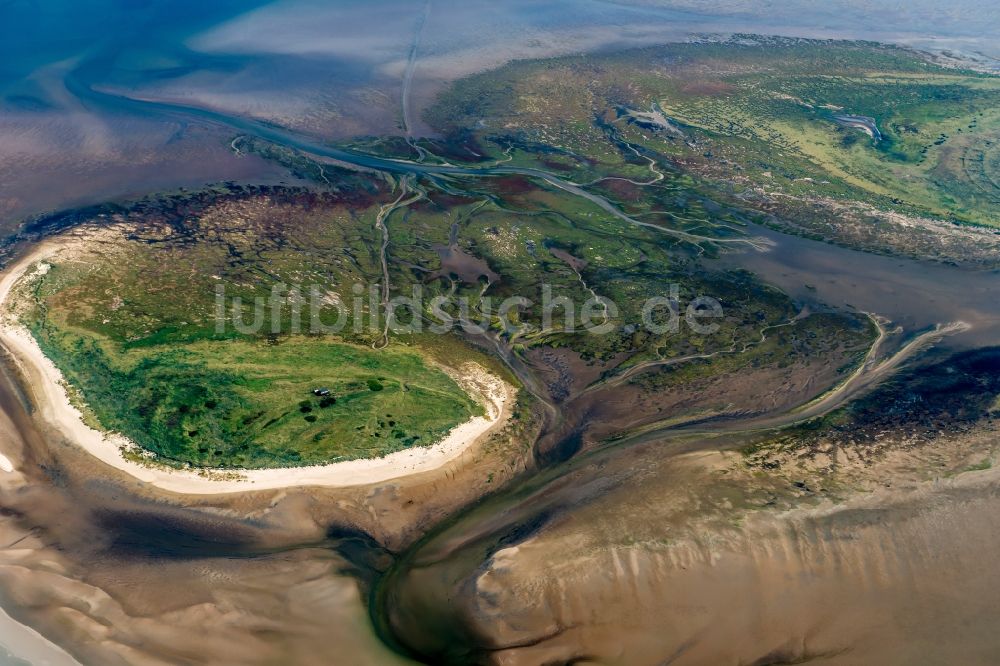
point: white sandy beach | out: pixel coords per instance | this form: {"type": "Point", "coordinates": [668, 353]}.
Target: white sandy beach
{"type": "Point", "coordinates": [55, 408]}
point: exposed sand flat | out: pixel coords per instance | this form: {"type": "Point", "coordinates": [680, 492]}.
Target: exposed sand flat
{"type": "Point", "coordinates": [20, 642]}
{"type": "Point", "coordinates": [56, 409]}
{"type": "Point", "coordinates": [887, 575]}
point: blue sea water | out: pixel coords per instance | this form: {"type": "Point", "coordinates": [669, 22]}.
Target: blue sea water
{"type": "Point", "coordinates": [99, 33]}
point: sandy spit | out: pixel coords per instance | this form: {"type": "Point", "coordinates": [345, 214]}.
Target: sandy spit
{"type": "Point", "coordinates": [48, 388]}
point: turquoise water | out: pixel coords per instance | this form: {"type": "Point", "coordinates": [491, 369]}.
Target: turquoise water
{"type": "Point", "coordinates": [8, 659]}
{"type": "Point", "coordinates": [33, 35]}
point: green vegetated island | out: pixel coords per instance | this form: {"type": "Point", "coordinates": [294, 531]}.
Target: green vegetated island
{"type": "Point", "coordinates": [850, 142]}
{"type": "Point", "coordinates": [680, 147]}
{"type": "Point", "coordinates": [131, 322]}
